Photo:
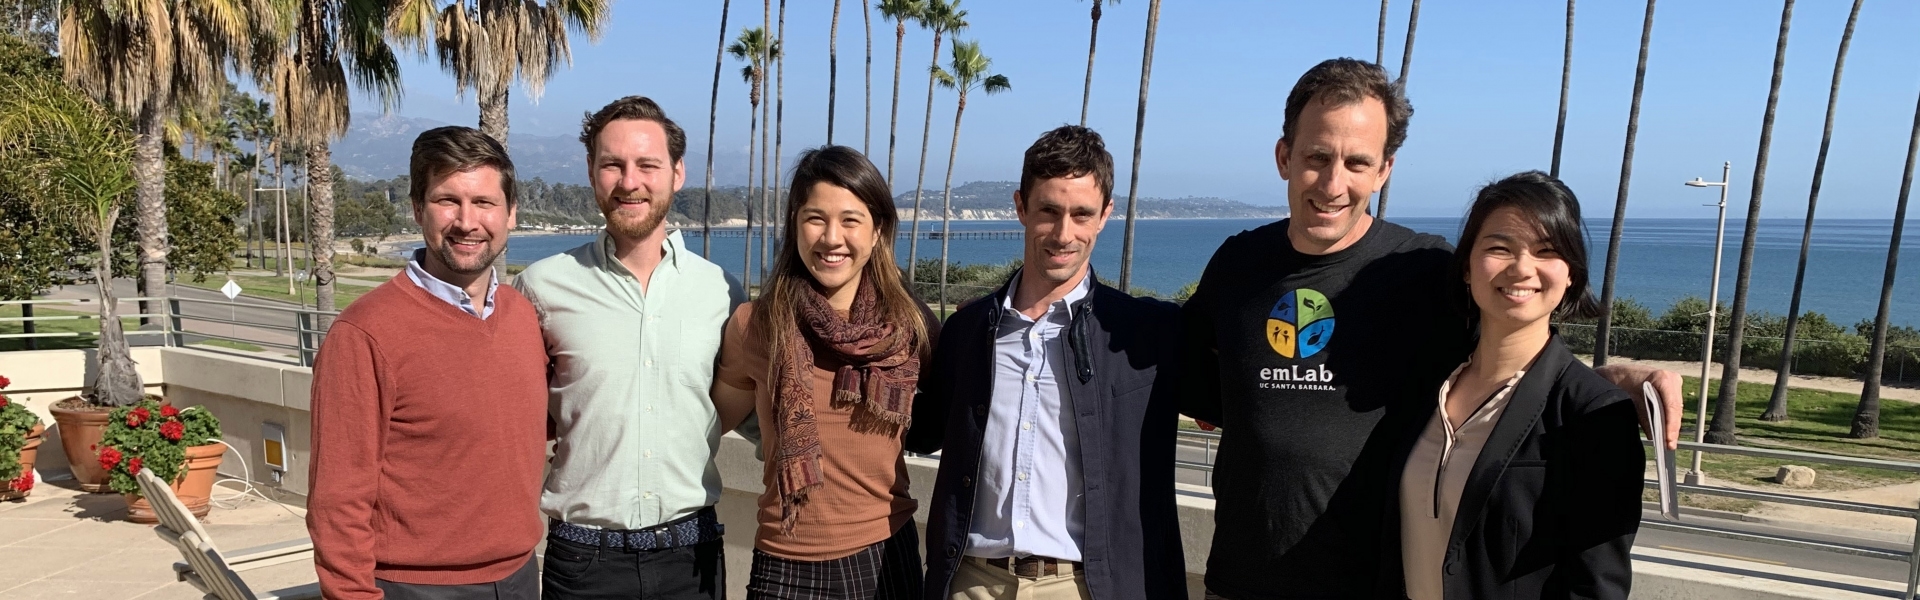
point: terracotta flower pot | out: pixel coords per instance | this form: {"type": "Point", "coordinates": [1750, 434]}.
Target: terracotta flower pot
{"type": "Point", "coordinates": [27, 454]}
{"type": "Point", "coordinates": [195, 490]}
{"type": "Point", "coordinates": [80, 431]}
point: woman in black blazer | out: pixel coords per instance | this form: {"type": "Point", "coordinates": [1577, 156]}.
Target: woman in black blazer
{"type": "Point", "coordinates": [1521, 476]}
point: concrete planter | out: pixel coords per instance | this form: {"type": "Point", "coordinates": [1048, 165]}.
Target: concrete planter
{"type": "Point", "coordinates": [195, 490]}
{"type": "Point", "coordinates": [27, 454]}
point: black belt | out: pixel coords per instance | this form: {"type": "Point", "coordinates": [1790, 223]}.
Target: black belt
{"type": "Point", "coordinates": [698, 528]}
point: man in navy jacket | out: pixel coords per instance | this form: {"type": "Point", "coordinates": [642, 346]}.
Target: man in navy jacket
{"type": "Point", "coordinates": [1053, 403]}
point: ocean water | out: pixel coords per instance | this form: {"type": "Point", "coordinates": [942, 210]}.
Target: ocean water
{"type": "Point", "coordinates": [1661, 260]}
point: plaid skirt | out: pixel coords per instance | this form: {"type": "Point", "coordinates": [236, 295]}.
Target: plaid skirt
{"type": "Point", "coordinates": [887, 570]}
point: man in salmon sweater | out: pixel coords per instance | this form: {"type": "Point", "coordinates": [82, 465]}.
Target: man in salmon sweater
{"type": "Point", "coordinates": [429, 404]}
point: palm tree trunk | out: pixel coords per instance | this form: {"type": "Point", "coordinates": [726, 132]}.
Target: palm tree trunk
{"type": "Point", "coordinates": [946, 206]}
{"type": "Point", "coordinates": [1721, 430]}
{"type": "Point", "coordinates": [253, 209]}
{"type": "Point", "coordinates": [1406, 66]}
{"type": "Point", "coordinates": [833, 66]}
{"type": "Point", "coordinates": [766, 134]}
{"type": "Point", "coordinates": [1777, 402]}
{"type": "Point", "coordinates": [746, 200]}
{"type": "Point", "coordinates": [713, 117]}
{"type": "Point", "coordinates": [893, 122]}
{"type": "Point", "coordinates": [1139, 137]}
{"type": "Point", "coordinates": [280, 253]}
{"type": "Point", "coordinates": [320, 229]}
{"type": "Point", "coordinates": [1093, 41]}
{"type": "Point", "coordinates": [926, 133]}
{"type": "Point", "coordinates": [1566, 78]}
{"type": "Point", "coordinates": [118, 383]}
{"type": "Point", "coordinates": [1380, 40]}
{"type": "Point", "coordinates": [493, 122]}
{"type": "Point", "coordinates": [1866, 419]}
{"type": "Point", "coordinates": [1603, 332]}
{"type": "Point", "coordinates": [866, 135]}
{"type": "Point", "coordinates": [770, 218]}
{"type": "Point", "coordinates": [150, 204]}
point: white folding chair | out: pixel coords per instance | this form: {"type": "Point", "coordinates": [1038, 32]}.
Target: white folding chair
{"type": "Point", "coordinates": [206, 568]}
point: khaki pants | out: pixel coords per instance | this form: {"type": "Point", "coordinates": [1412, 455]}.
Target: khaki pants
{"type": "Point", "coordinates": [977, 580]}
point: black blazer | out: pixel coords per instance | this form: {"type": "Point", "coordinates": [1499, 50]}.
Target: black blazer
{"type": "Point", "coordinates": [1553, 501]}
{"type": "Point", "coordinates": [1120, 388]}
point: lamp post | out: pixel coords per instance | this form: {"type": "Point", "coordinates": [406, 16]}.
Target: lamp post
{"type": "Point", "coordinates": [1696, 477]}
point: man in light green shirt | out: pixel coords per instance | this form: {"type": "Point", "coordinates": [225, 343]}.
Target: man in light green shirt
{"type": "Point", "coordinates": [632, 323]}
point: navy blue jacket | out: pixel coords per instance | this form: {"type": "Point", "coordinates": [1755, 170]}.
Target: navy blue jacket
{"type": "Point", "coordinates": [1120, 388]}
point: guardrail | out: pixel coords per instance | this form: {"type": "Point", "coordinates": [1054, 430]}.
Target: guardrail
{"type": "Point", "coordinates": [1910, 556]}
{"type": "Point", "coordinates": [176, 323]}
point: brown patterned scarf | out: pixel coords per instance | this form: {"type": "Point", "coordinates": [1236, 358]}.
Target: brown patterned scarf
{"type": "Point", "coordinates": [877, 379]}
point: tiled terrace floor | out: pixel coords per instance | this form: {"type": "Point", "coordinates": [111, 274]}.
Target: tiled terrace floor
{"type": "Point", "coordinates": [62, 543]}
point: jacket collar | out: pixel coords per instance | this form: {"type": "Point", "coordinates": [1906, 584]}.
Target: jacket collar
{"type": "Point", "coordinates": [1523, 412]}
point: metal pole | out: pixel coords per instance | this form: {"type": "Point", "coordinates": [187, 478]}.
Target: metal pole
{"type": "Point", "coordinates": [1697, 477]}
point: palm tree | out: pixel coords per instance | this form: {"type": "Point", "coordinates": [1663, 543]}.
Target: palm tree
{"type": "Point", "coordinates": [941, 16]}
{"type": "Point", "coordinates": [1139, 135]}
{"type": "Point", "coordinates": [1093, 40]}
{"type": "Point", "coordinates": [150, 59]}
{"type": "Point", "coordinates": [898, 11]}
{"type": "Point", "coordinates": [713, 116]}
{"type": "Point", "coordinates": [489, 44]}
{"type": "Point", "coordinates": [753, 47]}
{"type": "Point", "coordinates": [968, 72]}
{"type": "Point", "coordinates": [1566, 77]}
{"type": "Point", "coordinates": [334, 42]}
{"type": "Point", "coordinates": [766, 136]}
{"type": "Point", "coordinates": [79, 155]}
{"type": "Point", "coordinates": [768, 218]}
{"type": "Point", "coordinates": [1721, 429]}
{"type": "Point", "coordinates": [1406, 65]}
{"type": "Point", "coordinates": [866, 136]}
{"type": "Point", "coordinates": [833, 66]}
{"type": "Point", "coordinates": [256, 125]}
{"type": "Point", "coordinates": [1605, 329]}
{"type": "Point", "coordinates": [1866, 419]}
{"type": "Point", "coordinates": [1777, 403]}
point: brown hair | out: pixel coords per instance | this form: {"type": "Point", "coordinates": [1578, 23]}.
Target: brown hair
{"type": "Point", "coordinates": [1341, 81]}
{"type": "Point", "coordinates": [639, 108]}
{"type": "Point", "coordinates": [1068, 151]}
{"type": "Point", "coordinates": [776, 312]}
{"type": "Point", "coordinates": [444, 150]}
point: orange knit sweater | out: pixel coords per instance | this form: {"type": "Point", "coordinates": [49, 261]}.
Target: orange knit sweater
{"type": "Point", "coordinates": [428, 442]}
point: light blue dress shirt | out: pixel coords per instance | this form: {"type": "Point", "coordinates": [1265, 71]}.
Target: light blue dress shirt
{"type": "Point", "coordinates": [451, 293]}
{"type": "Point", "coordinates": [1029, 499]}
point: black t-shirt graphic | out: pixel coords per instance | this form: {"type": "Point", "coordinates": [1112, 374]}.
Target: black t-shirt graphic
{"type": "Point", "coordinates": [1299, 359]}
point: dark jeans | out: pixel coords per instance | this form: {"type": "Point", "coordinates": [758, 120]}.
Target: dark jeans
{"type": "Point", "coordinates": [523, 584]}
{"type": "Point", "coordinates": [576, 571]}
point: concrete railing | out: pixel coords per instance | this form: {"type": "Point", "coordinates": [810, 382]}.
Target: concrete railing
{"type": "Point", "coordinates": [247, 394]}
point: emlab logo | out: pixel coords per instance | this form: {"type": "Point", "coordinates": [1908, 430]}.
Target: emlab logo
{"type": "Point", "coordinates": [1301, 324]}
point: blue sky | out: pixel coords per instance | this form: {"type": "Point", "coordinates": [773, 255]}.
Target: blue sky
{"type": "Point", "coordinates": [1484, 84]}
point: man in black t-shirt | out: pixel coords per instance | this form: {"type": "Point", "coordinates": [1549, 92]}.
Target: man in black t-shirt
{"type": "Point", "coordinates": [1307, 335]}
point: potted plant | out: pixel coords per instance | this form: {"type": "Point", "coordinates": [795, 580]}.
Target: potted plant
{"type": "Point", "coordinates": [76, 157]}
{"type": "Point", "coordinates": [181, 447]}
{"type": "Point", "coordinates": [19, 441]}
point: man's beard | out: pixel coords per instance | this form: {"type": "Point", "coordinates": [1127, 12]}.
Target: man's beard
{"type": "Point", "coordinates": [445, 254]}
{"type": "Point", "coordinates": [641, 228]}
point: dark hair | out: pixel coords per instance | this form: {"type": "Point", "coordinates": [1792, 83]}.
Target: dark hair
{"type": "Point", "coordinates": [1551, 207]}
{"type": "Point", "coordinates": [638, 108]}
{"type": "Point", "coordinates": [1068, 151]}
{"type": "Point", "coordinates": [441, 151]}
{"type": "Point", "coordinates": [1341, 81]}
{"type": "Point", "coordinates": [776, 312]}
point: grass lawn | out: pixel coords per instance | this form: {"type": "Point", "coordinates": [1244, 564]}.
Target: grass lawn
{"type": "Point", "coordinates": [241, 346]}
{"type": "Point", "coordinates": [1819, 423]}
{"type": "Point", "coordinates": [276, 288]}
{"type": "Point", "coordinates": [88, 328]}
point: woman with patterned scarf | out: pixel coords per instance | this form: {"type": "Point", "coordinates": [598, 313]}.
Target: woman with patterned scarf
{"type": "Point", "coordinates": [827, 358]}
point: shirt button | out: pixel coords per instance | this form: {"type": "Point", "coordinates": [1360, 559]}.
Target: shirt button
{"type": "Point", "coordinates": [649, 362]}
{"type": "Point", "coordinates": [1027, 426]}
{"type": "Point", "coordinates": [1023, 476]}
{"type": "Point", "coordinates": [966, 482]}
{"type": "Point", "coordinates": [649, 454]}
{"type": "Point", "coordinates": [953, 551]}
{"type": "Point", "coordinates": [1019, 524]}
{"type": "Point", "coordinates": [1031, 378]}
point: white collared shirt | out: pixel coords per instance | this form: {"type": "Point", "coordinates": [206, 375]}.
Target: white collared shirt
{"type": "Point", "coordinates": [451, 293]}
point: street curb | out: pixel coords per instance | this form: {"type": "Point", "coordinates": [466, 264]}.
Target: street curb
{"type": "Point", "coordinates": [1817, 528]}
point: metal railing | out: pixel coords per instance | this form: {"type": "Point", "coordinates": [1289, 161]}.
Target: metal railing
{"type": "Point", "coordinates": [180, 326]}
{"type": "Point", "coordinates": [1911, 556]}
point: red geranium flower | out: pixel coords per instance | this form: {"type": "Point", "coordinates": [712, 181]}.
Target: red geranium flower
{"type": "Point", "coordinates": [172, 430]}
{"type": "Point", "coordinates": [4, 382]}
{"type": "Point", "coordinates": [169, 411]}
{"type": "Point", "coordinates": [3, 401]}
{"type": "Point", "coordinates": [138, 416]}
{"type": "Point", "coordinates": [109, 458]}
{"type": "Point", "coordinates": [22, 483]}
{"type": "Point", "coordinates": [133, 465]}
